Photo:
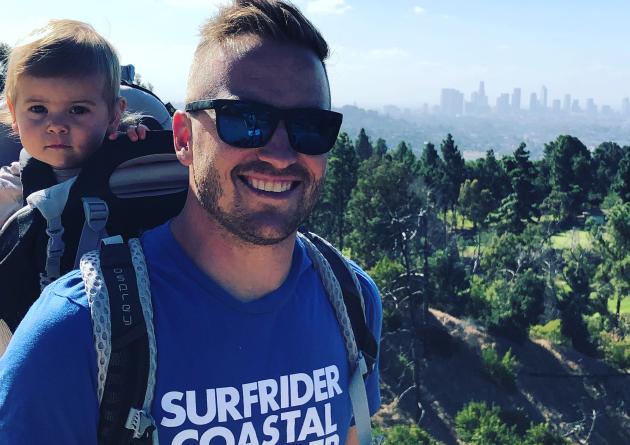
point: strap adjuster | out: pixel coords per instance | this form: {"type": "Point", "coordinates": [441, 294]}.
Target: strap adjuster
{"type": "Point", "coordinates": [96, 213]}
{"type": "Point", "coordinates": [141, 423]}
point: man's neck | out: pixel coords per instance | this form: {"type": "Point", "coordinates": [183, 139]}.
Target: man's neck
{"type": "Point", "coordinates": [245, 270]}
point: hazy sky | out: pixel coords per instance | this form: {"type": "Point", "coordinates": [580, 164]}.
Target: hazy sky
{"type": "Point", "coordinates": [399, 52]}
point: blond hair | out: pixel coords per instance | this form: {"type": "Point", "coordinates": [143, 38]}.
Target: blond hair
{"type": "Point", "coordinates": [62, 48]}
{"type": "Point", "coordinates": [275, 20]}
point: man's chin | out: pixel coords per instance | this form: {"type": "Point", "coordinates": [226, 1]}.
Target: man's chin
{"type": "Point", "coordinates": [261, 229]}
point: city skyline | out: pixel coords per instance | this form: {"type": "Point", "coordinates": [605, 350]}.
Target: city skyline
{"type": "Point", "coordinates": [454, 102]}
{"type": "Point", "coordinates": [401, 52]}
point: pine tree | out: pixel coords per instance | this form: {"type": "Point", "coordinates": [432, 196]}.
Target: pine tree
{"type": "Point", "coordinates": [328, 218]}
{"type": "Point", "coordinates": [380, 149]}
{"type": "Point", "coordinates": [432, 171]}
{"type": "Point", "coordinates": [570, 174]}
{"type": "Point", "coordinates": [363, 146]}
{"type": "Point", "coordinates": [452, 173]}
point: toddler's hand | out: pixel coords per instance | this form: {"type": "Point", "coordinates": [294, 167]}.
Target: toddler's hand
{"type": "Point", "coordinates": [134, 133]}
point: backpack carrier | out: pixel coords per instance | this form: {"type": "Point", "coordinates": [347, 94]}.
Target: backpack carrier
{"type": "Point", "coordinates": [124, 188]}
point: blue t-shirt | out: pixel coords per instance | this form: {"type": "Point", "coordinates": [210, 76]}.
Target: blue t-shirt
{"type": "Point", "coordinates": [270, 371]}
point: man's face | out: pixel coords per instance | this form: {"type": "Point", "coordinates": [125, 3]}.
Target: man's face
{"type": "Point", "coordinates": [260, 195]}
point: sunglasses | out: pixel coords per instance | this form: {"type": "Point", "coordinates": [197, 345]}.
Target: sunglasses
{"type": "Point", "coordinates": [246, 124]}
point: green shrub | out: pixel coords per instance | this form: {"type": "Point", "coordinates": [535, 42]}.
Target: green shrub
{"type": "Point", "coordinates": [543, 434]}
{"type": "Point", "coordinates": [549, 331]}
{"type": "Point", "coordinates": [501, 369]}
{"type": "Point", "coordinates": [616, 349]}
{"type": "Point", "coordinates": [386, 274]}
{"type": "Point", "coordinates": [476, 424]}
{"type": "Point", "coordinates": [612, 343]}
{"type": "Point", "coordinates": [405, 435]}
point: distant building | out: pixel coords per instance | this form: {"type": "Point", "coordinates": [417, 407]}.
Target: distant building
{"type": "Point", "coordinates": [451, 102]}
{"type": "Point", "coordinates": [543, 97]}
{"type": "Point", "coordinates": [591, 108]}
{"type": "Point", "coordinates": [625, 106]}
{"type": "Point", "coordinates": [533, 102]}
{"type": "Point", "coordinates": [478, 101]}
{"type": "Point", "coordinates": [503, 103]}
{"type": "Point", "coordinates": [556, 105]}
{"type": "Point", "coordinates": [516, 99]}
{"type": "Point", "coordinates": [392, 110]}
{"type": "Point", "coordinates": [607, 110]}
{"type": "Point", "coordinates": [566, 106]}
{"type": "Point", "coordinates": [575, 106]}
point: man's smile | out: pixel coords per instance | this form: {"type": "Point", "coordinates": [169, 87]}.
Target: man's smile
{"type": "Point", "coordinates": [270, 186]}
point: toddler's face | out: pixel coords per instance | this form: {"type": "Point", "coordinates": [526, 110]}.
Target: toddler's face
{"type": "Point", "coordinates": [62, 121]}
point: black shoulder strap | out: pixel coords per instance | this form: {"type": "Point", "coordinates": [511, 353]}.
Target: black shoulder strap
{"type": "Point", "coordinates": [352, 299]}
{"type": "Point", "coordinates": [35, 175]}
{"type": "Point", "coordinates": [128, 370]}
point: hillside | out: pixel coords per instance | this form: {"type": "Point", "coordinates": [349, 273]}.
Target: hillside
{"type": "Point", "coordinates": [554, 384]}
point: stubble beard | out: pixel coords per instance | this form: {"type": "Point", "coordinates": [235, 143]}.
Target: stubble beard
{"type": "Point", "coordinates": [263, 227]}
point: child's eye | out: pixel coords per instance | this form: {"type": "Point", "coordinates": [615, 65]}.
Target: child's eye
{"type": "Point", "coordinates": [37, 109]}
{"type": "Point", "coordinates": [79, 109]}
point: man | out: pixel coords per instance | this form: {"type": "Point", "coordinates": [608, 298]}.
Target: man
{"type": "Point", "coordinates": [249, 348]}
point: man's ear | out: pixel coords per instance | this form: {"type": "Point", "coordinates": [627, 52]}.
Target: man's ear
{"type": "Point", "coordinates": [182, 137]}
{"type": "Point", "coordinates": [117, 112]}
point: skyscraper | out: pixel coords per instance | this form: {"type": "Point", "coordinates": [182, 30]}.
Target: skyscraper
{"type": "Point", "coordinates": [556, 105]}
{"type": "Point", "coordinates": [516, 99]}
{"type": "Point", "coordinates": [451, 101]}
{"type": "Point", "coordinates": [533, 102]}
{"type": "Point", "coordinates": [575, 106]}
{"type": "Point", "coordinates": [543, 97]}
{"type": "Point", "coordinates": [503, 103]}
{"type": "Point", "coordinates": [625, 106]}
{"type": "Point", "coordinates": [566, 106]}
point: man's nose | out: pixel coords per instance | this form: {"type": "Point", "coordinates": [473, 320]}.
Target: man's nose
{"type": "Point", "coordinates": [278, 151]}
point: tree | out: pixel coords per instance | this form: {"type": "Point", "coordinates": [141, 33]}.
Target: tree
{"type": "Point", "coordinates": [476, 204]}
{"type": "Point", "coordinates": [453, 171]}
{"type": "Point", "coordinates": [570, 174]}
{"type": "Point", "coordinates": [447, 278]}
{"type": "Point", "coordinates": [363, 146]}
{"type": "Point", "coordinates": [605, 164]}
{"type": "Point", "coordinates": [613, 245]}
{"type": "Point", "coordinates": [137, 79]}
{"type": "Point", "coordinates": [432, 171]}
{"type": "Point", "coordinates": [491, 176]}
{"type": "Point", "coordinates": [621, 184]}
{"type": "Point", "coordinates": [521, 172]}
{"type": "Point", "coordinates": [574, 300]}
{"type": "Point", "coordinates": [388, 193]}
{"type": "Point", "coordinates": [5, 50]}
{"type": "Point", "coordinates": [329, 217]}
{"type": "Point", "coordinates": [387, 211]}
{"type": "Point", "coordinates": [380, 149]}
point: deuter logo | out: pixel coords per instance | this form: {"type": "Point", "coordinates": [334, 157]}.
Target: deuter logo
{"type": "Point", "coordinates": [124, 295]}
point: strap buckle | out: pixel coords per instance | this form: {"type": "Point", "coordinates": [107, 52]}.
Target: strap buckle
{"type": "Point", "coordinates": [141, 423]}
{"type": "Point", "coordinates": [96, 213]}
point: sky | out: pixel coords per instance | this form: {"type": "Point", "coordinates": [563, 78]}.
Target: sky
{"type": "Point", "coordinates": [387, 52]}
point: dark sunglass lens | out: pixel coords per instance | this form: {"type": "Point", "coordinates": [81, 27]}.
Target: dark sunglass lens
{"type": "Point", "coordinates": [313, 132]}
{"type": "Point", "coordinates": [243, 125]}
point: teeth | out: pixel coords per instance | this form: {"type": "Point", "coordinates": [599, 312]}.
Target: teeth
{"type": "Point", "coordinates": [270, 186]}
